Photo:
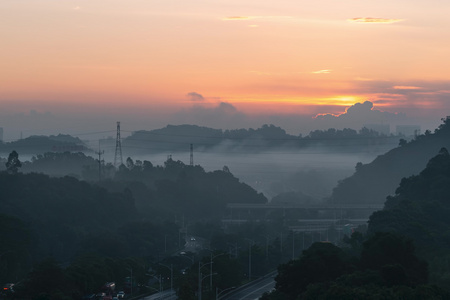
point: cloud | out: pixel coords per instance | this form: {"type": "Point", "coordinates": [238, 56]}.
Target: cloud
{"type": "Point", "coordinates": [76, 8]}
{"type": "Point", "coordinates": [406, 87]}
{"type": "Point", "coordinates": [236, 18]}
{"type": "Point", "coordinates": [357, 115]}
{"type": "Point", "coordinates": [226, 108]}
{"type": "Point", "coordinates": [363, 79]}
{"type": "Point", "coordinates": [322, 72]}
{"type": "Point", "coordinates": [260, 73]}
{"type": "Point", "coordinates": [374, 20]}
{"type": "Point", "coordinates": [195, 97]}
{"type": "Point", "coordinates": [245, 18]}
{"type": "Point", "coordinates": [217, 115]}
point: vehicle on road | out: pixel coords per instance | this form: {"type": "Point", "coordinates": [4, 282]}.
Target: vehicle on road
{"type": "Point", "coordinates": [7, 289]}
{"type": "Point", "coordinates": [121, 295]}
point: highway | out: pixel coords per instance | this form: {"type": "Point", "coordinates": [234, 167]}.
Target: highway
{"type": "Point", "coordinates": [253, 290]}
{"type": "Point", "coordinates": [166, 295]}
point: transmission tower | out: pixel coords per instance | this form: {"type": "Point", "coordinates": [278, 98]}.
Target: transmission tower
{"type": "Point", "coordinates": [118, 155]}
{"type": "Point", "coordinates": [192, 155]}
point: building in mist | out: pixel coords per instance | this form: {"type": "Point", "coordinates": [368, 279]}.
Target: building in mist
{"type": "Point", "coordinates": [408, 130]}
{"type": "Point", "coordinates": [384, 129]}
{"type": "Point", "coordinates": [1, 134]}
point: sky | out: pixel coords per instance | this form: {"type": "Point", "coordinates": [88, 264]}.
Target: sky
{"type": "Point", "coordinates": [78, 66]}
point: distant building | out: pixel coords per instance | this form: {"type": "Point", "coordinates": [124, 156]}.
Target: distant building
{"type": "Point", "coordinates": [1, 134]}
{"type": "Point", "coordinates": [380, 128]}
{"type": "Point", "coordinates": [408, 130]}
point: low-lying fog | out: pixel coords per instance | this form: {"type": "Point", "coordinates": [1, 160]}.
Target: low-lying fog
{"type": "Point", "coordinates": [312, 172]}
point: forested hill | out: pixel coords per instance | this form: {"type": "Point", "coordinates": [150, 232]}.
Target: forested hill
{"type": "Point", "coordinates": [61, 211]}
{"type": "Point", "coordinates": [420, 207]}
{"type": "Point", "coordinates": [420, 210]}
{"type": "Point", "coordinates": [176, 188]}
{"type": "Point", "coordinates": [178, 138]}
{"type": "Point", "coordinates": [373, 182]}
{"type": "Point", "coordinates": [40, 144]}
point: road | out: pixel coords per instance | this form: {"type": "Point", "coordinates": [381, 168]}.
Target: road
{"type": "Point", "coordinates": [252, 291]}
{"type": "Point", "coordinates": [166, 295]}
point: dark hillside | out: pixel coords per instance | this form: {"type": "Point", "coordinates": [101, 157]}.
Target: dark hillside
{"type": "Point", "coordinates": [176, 188]}
{"type": "Point", "coordinates": [372, 182]}
{"type": "Point", "coordinates": [40, 144]}
{"type": "Point", "coordinates": [420, 207]}
{"type": "Point", "coordinates": [62, 209]}
{"type": "Point", "coordinates": [420, 210]}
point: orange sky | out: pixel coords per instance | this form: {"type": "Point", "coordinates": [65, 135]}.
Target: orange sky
{"type": "Point", "coordinates": [284, 56]}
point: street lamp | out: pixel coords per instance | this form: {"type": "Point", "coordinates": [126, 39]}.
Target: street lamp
{"type": "Point", "coordinates": [171, 274]}
{"type": "Point", "coordinates": [200, 279]}
{"type": "Point", "coordinates": [293, 245]}
{"type": "Point", "coordinates": [131, 280]}
{"type": "Point", "coordinates": [267, 245]}
{"type": "Point", "coordinates": [223, 291]}
{"type": "Point", "coordinates": [211, 262]}
{"type": "Point", "coordinates": [212, 257]}
{"type": "Point", "coordinates": [234, 247]}
{"type": "Point", "coordinates": [186, 256]}
{"type": "Point", "coordinates": [159, 280]}
{"type": "Point", "coordinates": [250, 259]}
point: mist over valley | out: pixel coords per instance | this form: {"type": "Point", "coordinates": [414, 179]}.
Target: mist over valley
{"type": "Point", "coordinates": [277, 198]}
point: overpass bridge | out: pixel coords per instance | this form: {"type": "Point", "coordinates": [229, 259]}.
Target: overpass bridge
{"type": "Point", "coordinates": [321, 206]}
{"type": "Point", "coordinates": [301, 217]}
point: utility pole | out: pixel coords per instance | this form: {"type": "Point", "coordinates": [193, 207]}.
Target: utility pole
{"type": "Point", "coordinates": [250, 262]}
{"type": "Point", "coordinates": [118, 154]}
{"type": "Point", "coordinates": [293, 245]}
{"type": "Point", "coordinates": [192, 156]}
{"type": "Point", "coordinates": [100, 161]}
{"type": "Point", "coordinates": [250, 244]}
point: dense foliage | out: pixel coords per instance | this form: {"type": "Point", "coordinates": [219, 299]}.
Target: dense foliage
{"type": "Point", "coordinates": [41, 144]}
{"type": "Point", "coordinates": [133, 218]}
{"type": "Point", "coordinates": [385, 267]}
{"type": "Point", "coordinates": [419, 209]}
{"type": "Point", "coordinates": [372, 182]}
{"type": "Point", "coordinates": [178, 138]}
{"type": "Point", "coordinates": [123, 216]}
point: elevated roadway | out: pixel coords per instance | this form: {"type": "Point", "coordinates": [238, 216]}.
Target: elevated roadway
{"type": "Point", "coordinates": [306, 206]}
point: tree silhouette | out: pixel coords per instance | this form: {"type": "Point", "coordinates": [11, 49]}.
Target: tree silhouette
{"type": "Point", "coordinates": [13, 164]}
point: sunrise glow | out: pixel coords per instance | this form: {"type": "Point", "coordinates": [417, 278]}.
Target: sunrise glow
{"type": "Point", "coordinates": [275, 58]}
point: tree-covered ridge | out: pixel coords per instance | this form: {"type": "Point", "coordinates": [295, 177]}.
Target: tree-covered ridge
{"type": "Point", "coordinates": [173, 187]}
{"type": "Point", "coordinates": [384, 266]}
{"type": "Point", "coordinates": [60, 164]}
{"type": "Point", "coordinates": [65, 207]}
{"type": "Point", "coordinates": [177, 188]}
{"type": "Point", "coordinates": [178, 138]}
{"type": "Point", "coordinates": [71, 220]}
{"type": "Point", "coordinates": [420, 207]}
{"type": "Point", "coordinates": [372, 182]}
{"type": "Point", "coordinates": [38, 144]}
{"type": "Point", "coordinates": [41, 216]}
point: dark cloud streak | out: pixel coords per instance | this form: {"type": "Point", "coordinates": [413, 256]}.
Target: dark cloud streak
{"type": "Point", "coordinates": [195, 97]}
